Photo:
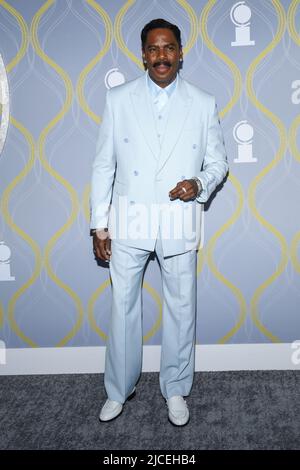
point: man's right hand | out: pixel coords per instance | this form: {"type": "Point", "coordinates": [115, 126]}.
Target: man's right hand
{"type": "Point", "coordinates": [102, 245]}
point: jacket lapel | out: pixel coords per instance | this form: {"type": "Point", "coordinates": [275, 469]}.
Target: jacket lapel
{"type": "Point", "coordinates": [180, 106]}
{"type": "Point", "coordinates": [143, 111]}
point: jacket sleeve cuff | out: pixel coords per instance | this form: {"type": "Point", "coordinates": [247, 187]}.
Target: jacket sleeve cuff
{"type": "Point", "coordinates": [204, 193]}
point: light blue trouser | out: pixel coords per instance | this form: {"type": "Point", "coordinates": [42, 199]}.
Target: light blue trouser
{"type": "Point", "coordinates": [123, 359]}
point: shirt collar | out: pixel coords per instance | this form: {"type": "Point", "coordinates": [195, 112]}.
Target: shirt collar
{"type": "Point", "coordinates": [155, 89]}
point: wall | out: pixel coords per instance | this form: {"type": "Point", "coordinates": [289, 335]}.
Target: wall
{"type": "Point", "coordinates": [59, 58]}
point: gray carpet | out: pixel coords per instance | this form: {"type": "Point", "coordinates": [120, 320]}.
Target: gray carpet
{"type": "Point", "coordinates": [229, 410]}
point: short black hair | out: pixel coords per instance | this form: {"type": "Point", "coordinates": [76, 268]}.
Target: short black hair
{"type": "Point", "coordinates": [160, 23]}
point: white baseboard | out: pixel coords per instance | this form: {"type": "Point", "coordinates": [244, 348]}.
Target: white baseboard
{"type": "Point", "coordinates": [86, 360]}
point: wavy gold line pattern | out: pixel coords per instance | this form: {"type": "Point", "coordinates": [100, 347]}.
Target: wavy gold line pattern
{"type": "Point", "coordinates": [83, 75]}
{"type": "Point", "coordinates": [233, 68]}
{"type": "Point", "coordinates": [81, 99]}
{"type": "Point", "coordinates": [254, 183]}
{"type": "Point", "coordinates": [34, 246]}
{"type": "Point", "coordinates": [292, 138]}
{"type": "Point", "coordinates": [7, 192]}
{"type": "Point", "coordinates": [24, 31]}
{"type": "Point", "coordinates": [234, 181]}
{"type": "Point", "coordinates": [193, 23]}
{"type": "Point", "coordinates": [211, 263]}
{"type": "Point", "coordinates": [291, 21]}
{"type": "Point", "coordinates": [72, 193]}
{"type": "Point", "coordinates": [81, 83]}
{"type": "Point", "coordinates": [118, 34]}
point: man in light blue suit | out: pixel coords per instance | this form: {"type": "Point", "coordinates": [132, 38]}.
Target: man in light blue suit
{"type": "Point", "coordinates": [160, 154]}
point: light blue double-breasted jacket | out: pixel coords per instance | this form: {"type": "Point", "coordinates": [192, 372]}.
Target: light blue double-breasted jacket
{"type": "Point", "coordinates": [133, 173]}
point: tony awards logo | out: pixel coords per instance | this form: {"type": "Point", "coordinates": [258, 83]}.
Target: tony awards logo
{"type": "Point", "coordinates": [243, 135]}
{"type": "Point", "coordinates": [240, 15]}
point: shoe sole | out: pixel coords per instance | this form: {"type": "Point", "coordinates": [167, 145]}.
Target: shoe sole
{"type": "Point", "coordinates": [130, 397]}
{"type": "Point", "coordinates": [178, 425]}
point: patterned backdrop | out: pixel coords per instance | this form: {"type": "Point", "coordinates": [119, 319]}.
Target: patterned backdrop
{"type": "Point", "coordinates": [58, 57]}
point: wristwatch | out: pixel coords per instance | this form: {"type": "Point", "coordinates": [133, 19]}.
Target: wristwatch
{"type": "Point", "coordinates": [199, 185]}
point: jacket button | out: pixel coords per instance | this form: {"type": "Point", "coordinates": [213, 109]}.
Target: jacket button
{"type": "Point", "coordinates": [135, 172]}
{"type": "Point", "coordinates": [194, 146]}
{"type": "Point", "coordinates": [126, 140]}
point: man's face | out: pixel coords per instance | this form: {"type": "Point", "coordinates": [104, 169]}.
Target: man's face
{"type": "Point", "coordinates": [162, 55]}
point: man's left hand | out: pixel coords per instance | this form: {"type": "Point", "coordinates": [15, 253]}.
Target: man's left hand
{"type": "Point", "coordinates": [185, 190]}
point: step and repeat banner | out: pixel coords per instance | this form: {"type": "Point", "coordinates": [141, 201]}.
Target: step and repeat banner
{"type": "Point", "coordinates": [58, 58]}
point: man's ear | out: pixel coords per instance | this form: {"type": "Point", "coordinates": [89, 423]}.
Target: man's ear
{"type": "Point", "coordinates": [180, 59]}
{"type": "Point", "coordinates": [144, 59]}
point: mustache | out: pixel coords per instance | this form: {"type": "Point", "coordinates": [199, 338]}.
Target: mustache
{"type": "Point", "coordinates": [166, 63]}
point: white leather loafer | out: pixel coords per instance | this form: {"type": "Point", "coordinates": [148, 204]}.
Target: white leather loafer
{"type": "Point", "coordinates": [111, 409]}
{"type": "Point", "coordinates": [178, 411]}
